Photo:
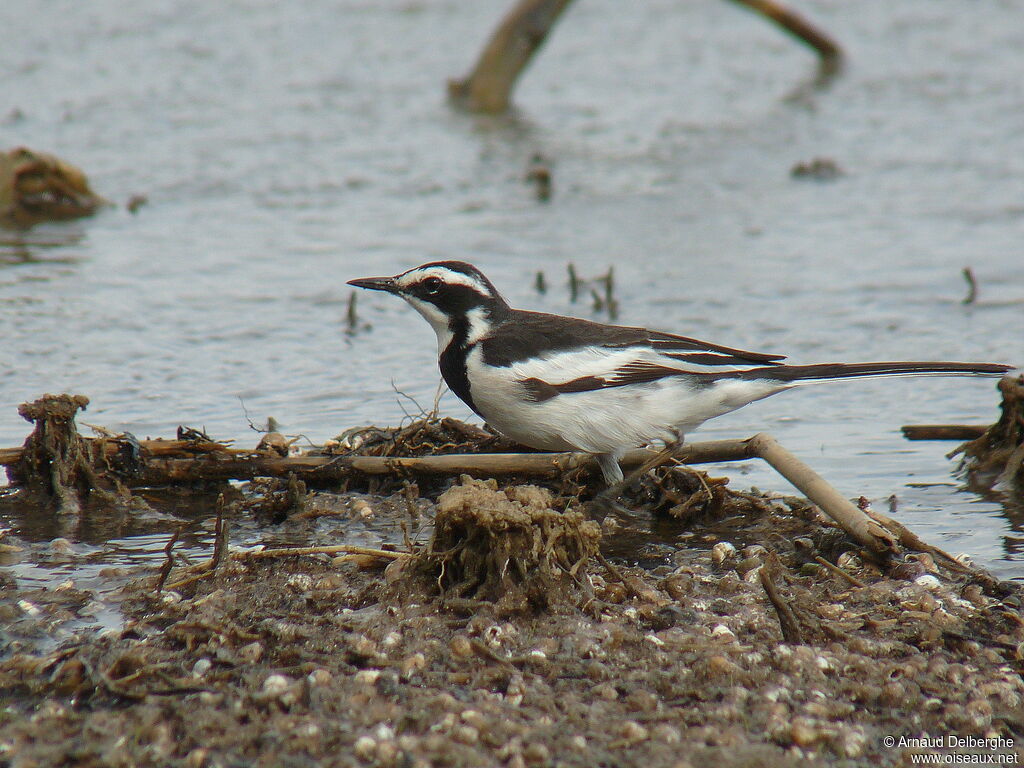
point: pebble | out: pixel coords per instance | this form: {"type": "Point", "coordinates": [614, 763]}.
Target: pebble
{"type": "Point", "coordinates": [460, 647]}
{"type": "Point", "coordinates": [465, 734]}
{"type": "Point", "coordinates": [605, 691]}
{"type": "Point", "coordinates": [667, 734]}
{"type": "Point", "coordinates": [61, 546]}
{"type": "Point", "coordinates": [395, 570]}
{"type": "Point", "coordinates": [413, 663]}
{"type": "Point", "coordinates": [633, 732]}
{"type": "Point", "coordinates": [473, 717]}
{"type": "Point", "coordinates": [723, 633]}
{"type": "Point", "coordinates": [849, 561]}
{"type": "Point", "coordinates": [367, 676]}
{"type": "Point", "coordinates": [722, 551]}
{"type": "Point", "coordinates": [362, 510]}
{"type": "Point", "coordinates": [251, 653]}
{"type": "Point", "coordinates": [536, 753]}
{"type": "Point", "coordinates": [299, 582]}
{"type": "Point", "coordinates": [276, 684]}
{"type": "Point", "coordinates": [804, 732]}
{"type": "Point", "coordinates": [365, 748]}
{"type": "Point", "coordinates": [319, 677]}
{"type": "Point", "coordinates": [719, 665]}
{"type": "Point", "coordinates": [928, 581]}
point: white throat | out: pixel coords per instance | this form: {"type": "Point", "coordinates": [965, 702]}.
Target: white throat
{"type": "Point", "coordinates": [438, 321]}
{"type": "Point", "coordinates": [476, 319]}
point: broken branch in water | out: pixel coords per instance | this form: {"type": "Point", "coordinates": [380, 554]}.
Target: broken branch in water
{"type": "Point", "coordinates": [972, 286]}
{"type": "Point", "coordinates": [523, 30]}
{"type": "Point", "coordinates": [511, 46]}
{"type": "Point", "coordinates": [942, 431]}
{"type": "Point", "coordinates": [802, 29]}
{"type": "Point", "coordinates": [857, 525]}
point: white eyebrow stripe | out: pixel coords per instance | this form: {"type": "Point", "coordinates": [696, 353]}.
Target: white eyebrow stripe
{"type": "Point", "coordinates": [450, 277]}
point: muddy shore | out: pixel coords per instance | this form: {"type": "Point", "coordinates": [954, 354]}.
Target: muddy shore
{"type": "Point", "coordinates": [562, 652]}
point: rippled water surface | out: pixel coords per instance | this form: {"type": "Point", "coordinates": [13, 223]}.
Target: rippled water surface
{"type": "Point", "coordinates": [287, 148]}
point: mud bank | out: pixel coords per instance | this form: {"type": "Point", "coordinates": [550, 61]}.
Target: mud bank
{"type": "Point", "coordinates": [770, 640]}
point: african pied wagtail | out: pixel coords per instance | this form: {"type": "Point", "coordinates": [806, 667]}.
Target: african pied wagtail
{"type": "Point", "coordinates": [565, 384]}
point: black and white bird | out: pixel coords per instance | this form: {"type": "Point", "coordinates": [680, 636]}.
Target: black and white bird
{"type": "Point", "coordinates": [565, 384]}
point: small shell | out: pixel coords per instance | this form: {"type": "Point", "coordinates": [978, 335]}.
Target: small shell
{"type": "Point", "coordinates": [276, 684]}
{"type": "Point", "coordinates": [721, 552]}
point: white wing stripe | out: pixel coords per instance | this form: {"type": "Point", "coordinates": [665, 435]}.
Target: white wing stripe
{"type": "Point", "coordinates": [604, 363]}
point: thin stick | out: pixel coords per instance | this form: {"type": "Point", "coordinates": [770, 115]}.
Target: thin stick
{"type": "Point", "coordinates": [796, 25]}
{"type": "Point", "coordinates": [347, 549]}
{"type": "Point", "coordinates": [839, 571]}
{"type": "Point", "coordinates": [791, 632]}
{"type": "Point", "coordinates": [943, 431]}
{"type": "Point", "coordinates": [220, 535]}
{"type": "Point", "coordinates": [206, 569]}
{"type": "Point", "coordinates": [618, 575]}
{"type": "Point", "coordinates": [165, 569]}
{"type": "Point", "coordinates": [972, 286]}
{"type": "Point", "coordinates": [190, 580]}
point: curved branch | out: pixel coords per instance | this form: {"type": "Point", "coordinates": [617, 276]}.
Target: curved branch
{"type": "Point", "coordinates": [802, 29]}
{"type": "Point", "coordinates": [524, 29]}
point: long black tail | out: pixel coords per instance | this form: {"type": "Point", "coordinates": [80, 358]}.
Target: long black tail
{"type": "Point", "coordinates": [793, 373]}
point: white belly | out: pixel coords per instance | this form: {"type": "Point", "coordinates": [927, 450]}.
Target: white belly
{"type": "Point", "coordinates": [609, 420]}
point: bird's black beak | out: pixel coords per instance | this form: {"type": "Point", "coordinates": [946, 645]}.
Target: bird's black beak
{"type": "Point", "coordinates": [376, 284]}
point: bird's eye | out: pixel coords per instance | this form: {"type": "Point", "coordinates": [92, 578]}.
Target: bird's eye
{"type": "Point", "coordinates": [432, 284]}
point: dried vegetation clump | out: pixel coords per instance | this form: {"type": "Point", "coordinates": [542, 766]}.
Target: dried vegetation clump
{"type": "Point", "coordinates": [37, 187]}
{"type": "Point", "coordinates": [996, 459]}
{"type": "Point", "coordinates": [427, 436]}
{"type": "Point", "coordinates": [507, 545]}
{"type": "Point", "coordinates": [56, 463]}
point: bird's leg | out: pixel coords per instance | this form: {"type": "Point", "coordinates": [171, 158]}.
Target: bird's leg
{"type": "Point", "coordinates": [609, 464]}
{"type": "Point", "coordinates": [605, 501]}
{"type": "Point", "coordinates": [658, 459]}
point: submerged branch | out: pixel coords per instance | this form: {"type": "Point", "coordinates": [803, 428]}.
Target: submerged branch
{"type": "Point", "coordinates": [943, 431]}
{"type": "Point", "coordinates": [796, 25]}
{"type": "Point", "coordinates": [524, 29]}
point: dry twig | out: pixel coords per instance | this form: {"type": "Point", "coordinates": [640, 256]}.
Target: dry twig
{"type": "Point", "coordinates": [791, 631]}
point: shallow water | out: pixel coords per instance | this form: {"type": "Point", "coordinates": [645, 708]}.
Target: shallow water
{"type": "Point", "coordinates": [284, 151]}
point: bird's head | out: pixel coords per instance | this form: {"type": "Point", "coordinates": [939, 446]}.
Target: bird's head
{"type": "Point", "coordinates": [453, 296]}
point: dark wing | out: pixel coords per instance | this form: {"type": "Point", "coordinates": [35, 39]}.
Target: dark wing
{"type": "Point", "coordinates": [528, 334]}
